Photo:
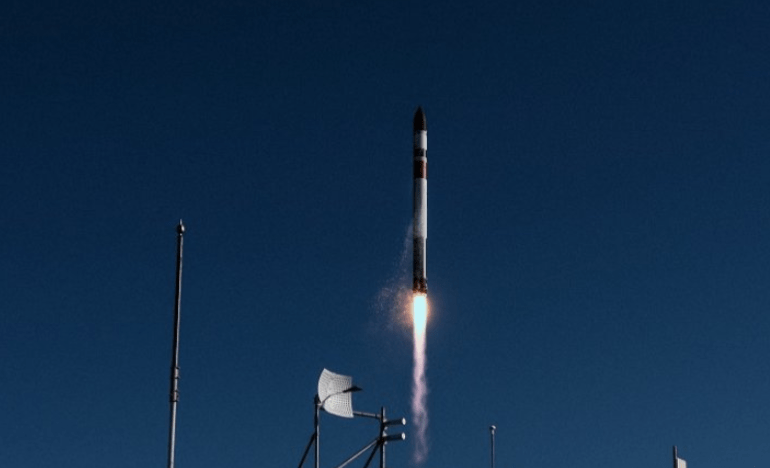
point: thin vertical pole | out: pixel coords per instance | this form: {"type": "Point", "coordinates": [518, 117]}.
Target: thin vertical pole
{"type": "Point", "coordinates": [317, 404]}
{"type": "Point", "coordinates": [174, 397]}
{"type": "Point", "coordinates": [492, 435]}
{"type": "Point", "coordinates": [676, 455]}
{"type": "Point", "coordinates": [382, 437]}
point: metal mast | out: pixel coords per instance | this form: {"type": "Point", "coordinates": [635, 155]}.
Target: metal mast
{"type": "Point", "coordinates": [174, 396]}
{"type": "Point", "coordinates": [492, 436]}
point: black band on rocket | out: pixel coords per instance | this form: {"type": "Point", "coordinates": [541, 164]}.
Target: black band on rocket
{"type": "Point", "coordinates": [420, 170]}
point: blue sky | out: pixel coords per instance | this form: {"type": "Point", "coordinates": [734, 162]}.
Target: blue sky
{"type": "Point", "coordinates": [598, 219]}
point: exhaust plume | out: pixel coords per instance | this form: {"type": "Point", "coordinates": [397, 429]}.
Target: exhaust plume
{"type": "Point", "coordinates": [419, 383]}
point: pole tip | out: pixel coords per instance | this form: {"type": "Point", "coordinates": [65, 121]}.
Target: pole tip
{"type": "Point", "coordinates": [180, 227]}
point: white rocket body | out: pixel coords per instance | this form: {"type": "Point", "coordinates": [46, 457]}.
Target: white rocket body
{"type": "Point", "coordinates": [420, 207]}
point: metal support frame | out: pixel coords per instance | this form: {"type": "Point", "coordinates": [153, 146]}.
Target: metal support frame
{"type": "Point", "coordinates": [378, 444]}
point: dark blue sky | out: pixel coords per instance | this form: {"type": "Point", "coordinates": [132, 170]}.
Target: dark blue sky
{"type": "Point", "coordinates": [598, 229]}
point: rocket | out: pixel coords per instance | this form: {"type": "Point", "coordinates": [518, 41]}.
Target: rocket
{"type": "Point", "coordinates": [420, 206]}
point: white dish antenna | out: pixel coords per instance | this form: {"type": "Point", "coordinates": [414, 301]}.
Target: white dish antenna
{"type": "Point", "coordinates": [335, 393]}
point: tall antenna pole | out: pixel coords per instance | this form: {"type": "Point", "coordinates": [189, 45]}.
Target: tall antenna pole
{"type": "Point", "coordinates": [174, 397]}
{"type": "Point", "coordinates": [492, 436]}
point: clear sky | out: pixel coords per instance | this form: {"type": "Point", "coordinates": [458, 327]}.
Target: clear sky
{"type": "Point", "coordinates": [598, 253]}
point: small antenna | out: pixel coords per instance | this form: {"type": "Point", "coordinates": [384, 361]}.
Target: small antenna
{"type": "Point", "coordinates": [492, 436]}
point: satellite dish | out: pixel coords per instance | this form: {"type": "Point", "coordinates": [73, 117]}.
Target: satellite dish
{"type": "Point", "coordinates": [334, 393]}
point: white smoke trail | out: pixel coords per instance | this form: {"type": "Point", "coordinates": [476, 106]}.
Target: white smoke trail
{"type": "Point", "coordinates": [419, 383]}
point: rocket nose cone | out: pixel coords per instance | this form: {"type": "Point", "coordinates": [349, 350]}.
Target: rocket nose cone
{"type": "Point", "coordinates": [419, 120]}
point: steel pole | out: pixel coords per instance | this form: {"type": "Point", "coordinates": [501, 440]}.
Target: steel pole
{"type": "Point", "coordinates": [492, 435]}
{"type": "Point", "coordinates": [382, 436]}
{"type": "Point", "coordinates": [174, 394]}
{"type": "Point", "coordinates": [317, 433]}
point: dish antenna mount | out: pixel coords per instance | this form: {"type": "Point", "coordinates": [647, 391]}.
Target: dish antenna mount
{"type": "Point", "coordinates": [335, 396]}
